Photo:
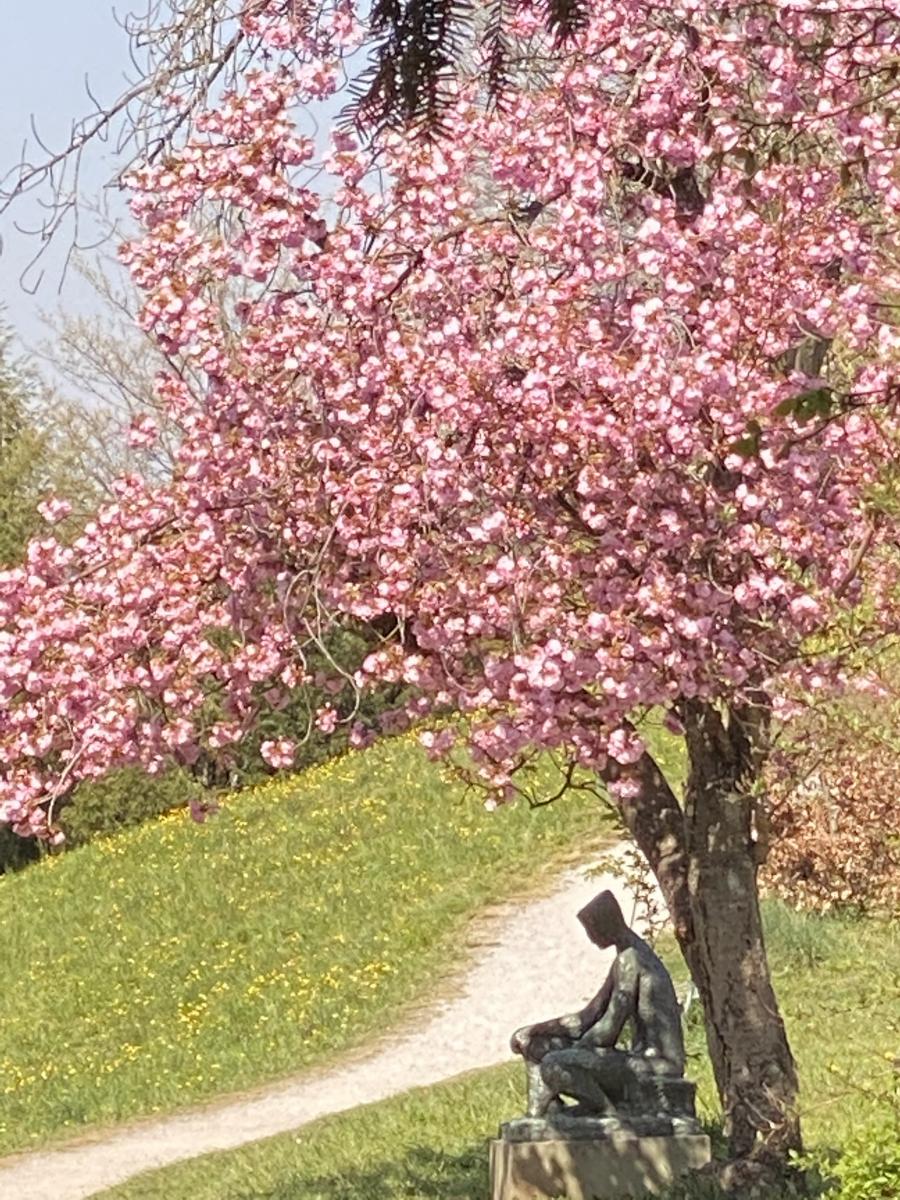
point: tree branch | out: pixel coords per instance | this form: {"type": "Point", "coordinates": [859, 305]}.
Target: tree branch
{"type": "Point", "coordinates": [653, 817]}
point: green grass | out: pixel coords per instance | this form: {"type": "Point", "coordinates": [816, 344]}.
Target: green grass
{"type": "Point", "coordinates": [838, 984]}
{"type": "Point", "coordinates": [178, 961]}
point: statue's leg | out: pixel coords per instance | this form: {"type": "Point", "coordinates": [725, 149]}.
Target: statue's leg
{"type": "Point", "coordinates": [540, 1097]}
{"type": "Point", "coordinates": [595, 1078]}
{"type": "Point", "coordinates": [535, 1049]}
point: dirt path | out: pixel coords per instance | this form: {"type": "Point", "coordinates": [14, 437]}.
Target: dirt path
{"type": "Point", "coordinates": [529, 960]}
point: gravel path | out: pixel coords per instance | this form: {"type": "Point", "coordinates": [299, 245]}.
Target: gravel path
{"type": "Point", "coordinates": [528, 960]}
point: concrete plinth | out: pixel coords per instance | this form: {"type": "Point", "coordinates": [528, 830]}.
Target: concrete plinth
{"type": "Point", "coordinates": [597, 1169]}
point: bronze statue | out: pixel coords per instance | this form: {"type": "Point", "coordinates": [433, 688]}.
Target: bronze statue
{"type": "Point", "coordinates": [576, 1057]}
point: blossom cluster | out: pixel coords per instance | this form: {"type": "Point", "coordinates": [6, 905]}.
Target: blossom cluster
{"type": "Point", "coordinates": [588, 397]}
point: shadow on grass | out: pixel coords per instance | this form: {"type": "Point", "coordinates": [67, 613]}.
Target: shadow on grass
{"type": "Point", "coordinates": [426, 1173]}
{"type": "Point", "coordinates": [422, 1173]}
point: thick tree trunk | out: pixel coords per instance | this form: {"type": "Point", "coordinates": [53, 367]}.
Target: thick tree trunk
{"type": "Point", "coordinates": [748, 1045]}
{"type": "Point", "coordinates": [705, 859]}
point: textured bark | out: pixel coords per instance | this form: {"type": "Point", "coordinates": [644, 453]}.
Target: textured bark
{"type": "Point", "coordinates": [753, 1064]}
{"type": "Point", "coordinates": [704, 856]}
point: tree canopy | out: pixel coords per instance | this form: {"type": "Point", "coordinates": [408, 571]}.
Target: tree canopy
{"type": "Point", "coordinates": [540, 402]}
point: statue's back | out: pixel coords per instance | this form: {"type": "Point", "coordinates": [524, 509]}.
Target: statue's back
{"type": "Point", "coordinates": [658, 1030]}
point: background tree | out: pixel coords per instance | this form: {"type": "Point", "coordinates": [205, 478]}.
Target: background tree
{"type": "Point", "coordinates": [23, 471]}
{"type": "Point", "coordinates": [118, 424]}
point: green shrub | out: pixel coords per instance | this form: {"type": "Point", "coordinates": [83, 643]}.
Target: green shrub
{"type": "Point", "coordinates": [868, 1167]}
{"type": "Point", "coordinates": [331, 667]}
{"type": "Point", "coordinates": [16, 852]}
{"type": "Point", "coordinates": [124, 798]}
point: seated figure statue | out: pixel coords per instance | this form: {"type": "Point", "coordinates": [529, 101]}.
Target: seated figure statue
{"type": "Point", "coordinates": [576, 1056]}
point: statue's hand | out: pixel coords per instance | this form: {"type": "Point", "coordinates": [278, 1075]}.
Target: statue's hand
{"type": "Point", "coordinates": [522, 1038]}
{"type": "Point", "coordinates": [519, 1039]}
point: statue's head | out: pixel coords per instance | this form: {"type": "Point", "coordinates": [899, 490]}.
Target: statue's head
{"type": "Point", "coordinates": [603, 921]}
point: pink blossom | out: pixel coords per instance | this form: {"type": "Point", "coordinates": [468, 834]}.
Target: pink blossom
{"type": "Point", "coordinates": [143, 432]}
{"type": "Point", "coordinates": [54, 509]}
{"type": "Point", "coordinates": [326, 719]}
{"type": "Point", "coordinates": [624, 746]}
{"type": "Point", "coordinates": [437, 742]}
{"type": "Point", "coordinates": [361, 736]}
{"type": "Point", "coordinates": [200, 809]}
{"type": "Point", "coordinates": [278, 754]}
{"type": "Point", "coordinates": [673, 724]}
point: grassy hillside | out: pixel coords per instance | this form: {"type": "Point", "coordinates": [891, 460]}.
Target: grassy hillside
{"type": "Point", "coordinates": [838, 984]}
{"type": "Point", "coordinates": [179, 961]}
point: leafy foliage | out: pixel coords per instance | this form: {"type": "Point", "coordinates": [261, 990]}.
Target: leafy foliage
{"type": "Point", "coordinates": [868, 1168]}
{"type": "Point", "coordinates": [125, 798]}
{"type": "Point", "coordinates": [22, 465]}
{"type": "Point", "coordinates": [418, 47]}
{"type": "Point", "coordinates": [833, 832]}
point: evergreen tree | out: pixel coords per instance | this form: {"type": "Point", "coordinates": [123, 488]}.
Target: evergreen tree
{"type": "Point", "coordinates": [23, 472]}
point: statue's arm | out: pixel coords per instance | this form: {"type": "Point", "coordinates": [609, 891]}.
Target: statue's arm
{"type": "Point", "coordinates": [592, 1013]}
{"type": "Point", "coordinates": [575, 1024]}
{"type": "Point", "coordinates": [572, 1026]}
{"type": "Point", "coordinates": [621, 1004]}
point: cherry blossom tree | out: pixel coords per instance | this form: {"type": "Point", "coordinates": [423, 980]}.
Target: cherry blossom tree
{"type": "Point", "coordinates": [585, 408]}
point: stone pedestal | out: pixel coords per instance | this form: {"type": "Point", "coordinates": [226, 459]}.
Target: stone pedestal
{"type": "Point", "coordinates": [605, 1168]}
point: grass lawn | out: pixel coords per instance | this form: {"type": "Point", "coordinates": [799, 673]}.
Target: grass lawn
{"type": "Point", "coordinates": [838, 984]}
{"type": "Point", "coordinates": [178, 961]}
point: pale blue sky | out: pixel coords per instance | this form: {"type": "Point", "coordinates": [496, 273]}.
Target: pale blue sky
{"type": "Point", "coordinates": [47, 47]}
